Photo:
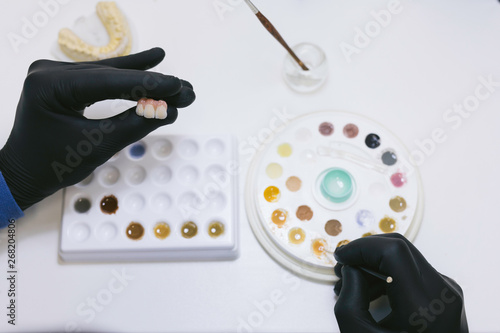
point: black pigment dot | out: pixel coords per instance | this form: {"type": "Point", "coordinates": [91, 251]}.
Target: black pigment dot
{"type": "Point", "coordinates": [372, 140]}
{"type": "Point", "coordinates": [389, 158]}
{"type": "Point", "coordinates": [82, 205]}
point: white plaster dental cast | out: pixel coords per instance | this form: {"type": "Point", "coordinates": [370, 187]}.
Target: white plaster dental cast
{"type": "Point", "coordinates": [120, 39]}
{"type": "Point", "coordinates": [150, 108]}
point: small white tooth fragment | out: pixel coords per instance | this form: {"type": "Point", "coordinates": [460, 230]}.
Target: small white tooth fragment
{"type": "Point", "coordinates": [141, 105]}
{"type": "Point", "coordinates": [161, 110]}
{"type": "Point", "coordinates": [149, 110]}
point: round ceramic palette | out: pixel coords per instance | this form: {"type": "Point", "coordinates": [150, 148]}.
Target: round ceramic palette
{"type": "Point", "coordinates": [326, 179]}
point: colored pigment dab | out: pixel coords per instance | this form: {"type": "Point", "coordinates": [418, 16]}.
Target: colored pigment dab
{"type": "Point", "coordinates": [319, 247]}
{"type": "Point", "coordinates": [135, 231]}
{"type": "Point", "coordinates": [343, 242]}
{"type": "Point", "coordinates": [397, 204]}
{"type": "Point", "coordinates": [272, 194]}
{"type": "Point", "coordinates": [337, 186]}
{"type": "Point", "coordinates": [304, 213]}
{"type": "Point", "coordinates": [161, 230]}
{"type": "Point", "coordinates": [82, 205]}
{"type": "Point", "coordinates": [387, 224]}
{"type": "Point", "coordinates": [372, 141]}
{"type": "Point", "coordinates": [215, 229]}
{"type": "Point", "coordinates": [351, 131]}
{"type": "Point", "coordinates": [293, 183]}
{"type": "Point", "coordinates": [398, 179]}
{"type": "Point", "coordinates": [366, 234]}
{"type": "Point", "coordinates": [274, 170]}
{"type": "Point", "coordinates": [284, 150]}
{"type": "Point", "coordinates": [389, 158]}
{"type": "Point", "coordinates": [333, 227]}
{"type": "Point", "coordinates": [109, 204]}
{"type": "Point", "coordinates": [137, 150]}
{"type": "Point", "coordinates": [326, 128]}
{"type": "Point", "coordinates": [189, 229]}
{"type": "Point", "coordinates": [279, 217]}
{"type": "Point", "coordinates": [296, 236]}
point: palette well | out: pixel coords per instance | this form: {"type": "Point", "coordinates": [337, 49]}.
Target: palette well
{"type": "Point", "coordinates": [162, 198]}
{"type": "Point", "coordinates": [326, 179]}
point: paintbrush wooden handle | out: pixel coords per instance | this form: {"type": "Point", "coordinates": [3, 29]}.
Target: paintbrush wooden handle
{"type": "Point", "coordinates": [265, 22]}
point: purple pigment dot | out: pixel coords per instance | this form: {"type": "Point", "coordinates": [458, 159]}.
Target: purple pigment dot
{"type": "Point", "coordinates": [398, 179]}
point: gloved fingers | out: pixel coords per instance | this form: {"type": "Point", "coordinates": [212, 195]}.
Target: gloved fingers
{"type": "Point", "coordinates": [185, 97]}
{"type": "Point", "coordinates": [186, 84]}
{"type": "Point", "coordinates": [141, 61]}
{"type": "Point", "coordinates": [128, 127]}
{"type": "Point", "coordinates": [93, 85]}
{"type": "Point", "coordinates": [351, 309]}
{"type": "Point", "coordinates": [388, 256]}
{"type": "Point", "coordinates": [376, 287]}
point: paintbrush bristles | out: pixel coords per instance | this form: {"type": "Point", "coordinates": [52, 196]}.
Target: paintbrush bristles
{"type": "Point", "coordinates": [269, 27]}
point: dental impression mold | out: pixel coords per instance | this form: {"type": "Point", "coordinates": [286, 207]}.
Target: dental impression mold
{"type": "Point", "coordinates": [162, 198]}
{"type": "Point", "coordinates": [87, 42]}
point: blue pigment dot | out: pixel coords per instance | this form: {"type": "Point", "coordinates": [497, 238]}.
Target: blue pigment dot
{"type": "Point", "coordinates": [137, 150]}
{"type": "Point", "coordinates": [337, 185]}
{"type": "Point", "coordinates": [365, 218]}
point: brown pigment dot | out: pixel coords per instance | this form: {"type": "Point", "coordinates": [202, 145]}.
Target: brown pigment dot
{"type": "Point", "coordinates": [343, 242]}
{"type": "Point", "coordinates": [326, 128]}
{"type": "Point", "coordinates": [189, 229]}
{"type": "Point", "coordinates": [397, 204]}
{"type": "Point", "coordinates": [351, 131]}
{"type": "Point", "coordinates": [387, 224]}
{"type": "Point", "coordinates": [135, 231]}
{"type": "Point", "coordinates": [109, 204]}
{"type": "Point", "coordinates": [293, 183]}
{"type": "Point", "coordinates": [333, 227]}
{"type": "Point", "coordinates": [304, 213]}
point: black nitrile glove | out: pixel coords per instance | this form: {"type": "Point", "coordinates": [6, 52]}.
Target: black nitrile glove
{"type": "Point", "coordinates": [52, 145]}
{"type": "Point", "coordinates": [421, 299]}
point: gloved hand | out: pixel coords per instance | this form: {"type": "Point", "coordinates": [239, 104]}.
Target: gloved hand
{"type": "Point", "coordinates": [421, 299]}
{"type": "Point", "coordinates": [52, 145]}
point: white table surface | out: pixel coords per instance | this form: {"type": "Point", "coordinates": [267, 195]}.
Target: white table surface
{"type": "Point", "coordinates": [426, 60]}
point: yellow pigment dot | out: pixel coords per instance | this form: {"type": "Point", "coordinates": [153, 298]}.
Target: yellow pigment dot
{"type": "Point", "coordinates": [161, 230]}
{"type": "Point", "coordinates": [296, 235]}
{"type": "Point", "coordinates": [366, 234]}
{"type": "Point", "coordinates": [284, 150]}
{"type": "Point", "coordinates": [189, 229]}
{"type": "Point", "coordinates": [343, 242]}
{"type": "Point", "coordinates": [387, 224]}
{"type": "Point", "coordinates": [279, 217]}
{"type": "Point", "coordinates": [319, 247]}
{"type": "Point", "coordinates": [272, 194]}
{"type": "Point", "coordinates": [274, 170]}
{"type": "Point", "coordinates": [215, 229]}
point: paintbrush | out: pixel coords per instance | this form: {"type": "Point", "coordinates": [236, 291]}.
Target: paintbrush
{"type": "Point", "coordinates": [269, 27]}
{"type": "Point", "coordinates": [387, 279]}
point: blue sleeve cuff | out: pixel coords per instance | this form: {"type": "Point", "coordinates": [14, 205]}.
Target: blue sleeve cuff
{"type": "Point", "coordinates": [8, 206]}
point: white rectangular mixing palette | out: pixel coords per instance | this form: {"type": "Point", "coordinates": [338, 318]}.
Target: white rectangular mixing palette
{"type": "Point", "coordinates": [176, 199]}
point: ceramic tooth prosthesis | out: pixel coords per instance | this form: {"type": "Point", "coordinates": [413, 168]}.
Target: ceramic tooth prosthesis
{"type": "Point", "coordinates": [149, 108]}
{"type": "Point", "coordinates": [120, 39]}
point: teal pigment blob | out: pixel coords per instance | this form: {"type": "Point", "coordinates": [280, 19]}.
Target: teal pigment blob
{"type": "Point", "coordinates": [337, 185]}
